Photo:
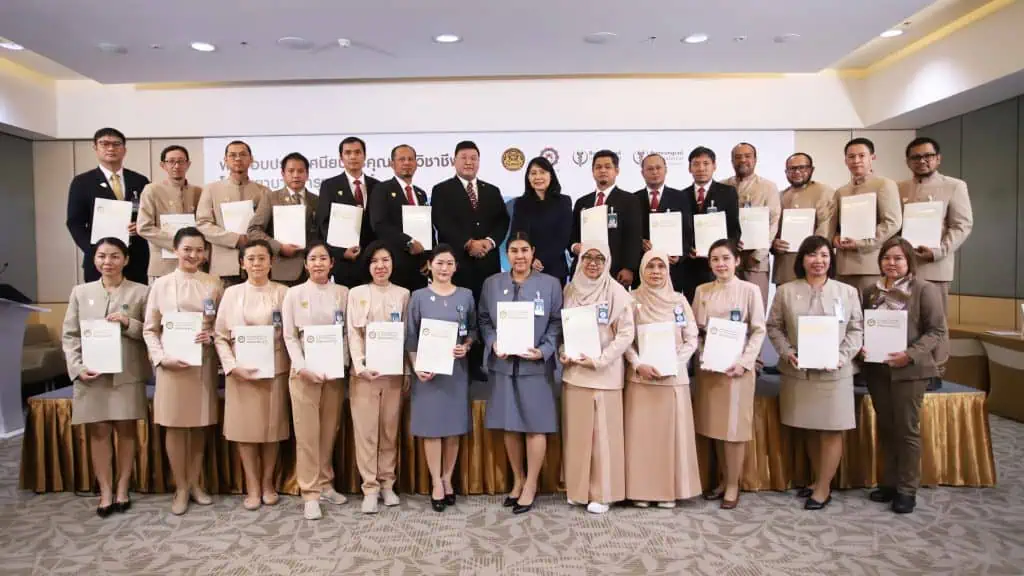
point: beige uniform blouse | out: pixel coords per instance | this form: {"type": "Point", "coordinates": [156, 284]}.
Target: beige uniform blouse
{"type": "Point", "coordinates": [815, 195]}
{"type": "Point", "coordinates": [719, 299]}
{"type": "Point", "coordinates": [248, 305]}
{"type": "Point", "coordinates": [753, 192]}
{"type": "Point", "coordinates": [686, 345]}
{"type": "Point", "coordinates": [159, 199]}
{"type": "Point", "coordinates": [210, 221]}
{"type": "Point", "coordinates": [372, 303]}
{"type": "Point", "coordinates": [91, 301]}
{"type": "Point", "coordinates": [863, 260]}
{"type": "Point", "coordinates": [311, 304]}
{"type": "Point", "coordinates": [956, 225]}
{"type": "Point", "coordinates": [616, 337]}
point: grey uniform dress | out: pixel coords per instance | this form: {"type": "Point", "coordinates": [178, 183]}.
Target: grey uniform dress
{"type": "Point", "coordinates": [522, 396]}
{"type": "Point", "coordinates": [440, 406]}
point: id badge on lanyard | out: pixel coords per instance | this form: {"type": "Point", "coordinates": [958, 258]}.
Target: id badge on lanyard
{"type": "Point", "coordinates": [603, 316]}
{"type": "Point", "coordinates": [463, 329]}
{"type": "Point", "coordinates": [538, 305]}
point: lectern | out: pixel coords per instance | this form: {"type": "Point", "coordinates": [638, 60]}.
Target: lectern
{"type": "Point", "coordinates": [12, 340]}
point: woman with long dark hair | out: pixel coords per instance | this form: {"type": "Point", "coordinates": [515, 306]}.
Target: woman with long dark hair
{"type": "Point", "coordinates": [545, 215]}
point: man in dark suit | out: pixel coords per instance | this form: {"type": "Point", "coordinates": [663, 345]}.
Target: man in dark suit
{"type": "Point", "coordinates": [655, 197]}
{"type": "Point", "coordinates": [386, 203]}
{"type": "Point", "coordinates": [470, 216]}
{"type": "Point", "coordinates": [625, 232]}
{"type": "Point", "coordinates": [354, 188]}
{"type": "Point", "coordinates": [110, 180]}
{"type": "Point", "coordinates": [705, 196]}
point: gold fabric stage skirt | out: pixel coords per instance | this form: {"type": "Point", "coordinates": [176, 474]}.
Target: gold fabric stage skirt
{"type": "Point", "coordinates": [956, 448]}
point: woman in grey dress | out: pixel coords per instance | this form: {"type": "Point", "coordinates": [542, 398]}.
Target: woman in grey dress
{"type": "Point", "coordinates": [440, 403]}
{"type": "Point", "coordinates": [522, 398]}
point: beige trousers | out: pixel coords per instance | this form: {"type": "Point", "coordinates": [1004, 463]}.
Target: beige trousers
{"type": "Point", "coordinates": [376, 411]}
{"type": "Point", "coordinates": [316, 409]}
{"type": "Point", "coordinates": [594, 453]}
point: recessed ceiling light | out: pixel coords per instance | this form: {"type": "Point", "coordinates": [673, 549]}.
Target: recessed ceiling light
{"type": "Point", "coordinates": [447, 39]}
{"type": "Point", "coordinates": [892, 33]}
{"type": "Point", "coordinates": [599, 37]}
{"type": "Point", "coordinates": [739, 39]}
{"type": "Point", "coordinates": [696, 38]}
{"type": "Point", "coordinates": [203, 47]}
{"type": "Point", "coordinates": [110, 48]}
{"type": "Point", "coordinates": [344, 42]}
{"type": "Point", "coordinates": [8, 45]}
{"type": "Point", "coordinates": [295, 43]}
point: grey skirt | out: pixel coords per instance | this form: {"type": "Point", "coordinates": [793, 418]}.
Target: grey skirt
{"type": "Point", "coordinates": [440, 407]}
{"type": "Point", "coordinates": [522, 404]}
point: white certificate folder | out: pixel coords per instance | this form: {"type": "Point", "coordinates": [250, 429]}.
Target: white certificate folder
{"type": "Point", "coordinates": [818, 342]}
{"type": "Point", "coordinates": [179, 335]}
{"type": "Point", "coordinates": [385, 348]}
{"type": "Point", "coordinates": [579, 329]}
{"type": "Point", "coordinates": [110, 219]}
{"type": "Point", "coordinates": [101, 346]}
{"type": "Point", "coordinates": [657, 346]}
{"type": "Point", "coordinates": [436, 345]}
{"type": "Point", "coordinates": [858, 217]}
{"type": "Point", "coordinates": [885, 332]}
{"type": "Point", "coordinates": [290, 225]}
{"type": "Point", "coordinates": [708, 229]}
{"type": "Point", "coordinates": [667, 232]}
{"type": "Point", "coordinates": [254, 348]}
{"type": "Point", "coordinates": [515, 327]}
{"type": "Point", "coordinates": [417, 225]}
{"type": "Point", "coordinates": [723, 344]}
{"type": "Point", "coordinates": [324, 349]}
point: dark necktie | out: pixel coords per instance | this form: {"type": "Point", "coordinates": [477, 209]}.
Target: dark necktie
{"type": "Point", "coordinates": [600, 199]}
{"type": "Point", "coordinates": [358, 193]}
{"type": "Point", "coordinates": [654, 200]}
{"type": "Point", "coordinates": [473, 200]}
{"type": "Point", "coordinates": [409, 196]}
{"type": "Point", "coordinates": [700, 198]}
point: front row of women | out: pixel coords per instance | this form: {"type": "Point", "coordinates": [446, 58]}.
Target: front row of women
{"type": "Point", "coordinates": [640, 446]}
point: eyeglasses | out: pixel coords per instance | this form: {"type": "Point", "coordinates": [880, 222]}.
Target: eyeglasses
{"type": "Point", "coordinates": [176, 162]}
{"type": "Point", "coordinates": [594, 259]}
{"type": "Point", "coordinates": [925, 157]}
{"type": "Point", "coordinates": [115, 144]}
{"type": "Point", "coordinates": [800, 168]}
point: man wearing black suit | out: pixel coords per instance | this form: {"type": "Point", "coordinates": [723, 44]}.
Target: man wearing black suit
{"type": "Point", "coordinates": [705, 196]}
{"type": "Point", "coordinates": [386, 203]}
{"type": "Point", "coordinates": [354, 188]}
{"type": "Point", "coordinates": [111, 180]}
{"type": "Point", "coordinates": [625, 232]}
{"type": "Point", "coordinates": [655, 197]}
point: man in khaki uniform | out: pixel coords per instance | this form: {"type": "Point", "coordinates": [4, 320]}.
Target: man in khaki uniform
{"type": "Point", "coordinates": [210, 218]}
{"type": "Point", "coordinates": [755, 191]}
{"type": "Point", "coordinates": [803, 192]}
{"type": "Point", "coordinates": [172, 196]}
{"type": "Point", "coordinates": [289, 259]}
{"type": "Point", "coordinates": [935, 264]}
{"type": "Point", "coordinates": [857, 260]}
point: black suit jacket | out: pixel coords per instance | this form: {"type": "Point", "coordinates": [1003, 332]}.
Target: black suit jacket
{"type": "Point", "coordinates": [337, 189]}
{"type": "Point", "coordinates": [625, 241]}
{"type": "Point", "coordinates": [725, 199]}
{"type": "Point", "coordinates": [386, 218]}
{"type": "Point", "coordinates": [671, 200]}
{"type": "Point", "coordinates": [457, 223]}
{"type": "Point", "coordinates": [85, 189]}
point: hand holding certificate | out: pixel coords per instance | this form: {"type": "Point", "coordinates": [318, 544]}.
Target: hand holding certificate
{"type": "Point", "coordinates": [579, 328]}
{"type": "Point", "coordinates": [110, 219]}
{"type": "Point", "coordinates": [254, 349]}
{"type": "Point", "coordinates": [818, 343]}
{"type": "Point", "coordinates": [922, 223]}
{"type": "Point", "coordinates": [345, 226]}
{"type": "Point", "coordinates": [170, 224]}
{"type": "Point", "coordinates": [723, 345]}
{"type": "Point", "coordinates": [708, 229]}
{"type": "Point", "coordinates": [667, 232]}
{"type": "Point", "coordinates": [324, 349]}
{"type": "Point", "coordinates": [797, 225]}
{"type": "Point", "coordinates": [657, 345]}
{"type": "Point", "coordinates": [101, 346]}
{"type": "Point", "coordinates": [237, 216]}
{"type": "Point", "coordinates": [885, 332]}
{"type": "Point", "coordinates": [754, 222]}
{"type": "Point", "coordinates": [858, 216]}
{"type": "Point", "coordinates": [179, 337]}
{"type": "Point", "coordinates": [594, 225]}
{"type": "Point", "coordinates": [385, 343]}
{"type": "Point", "coordinates": [515, 328]}
{"type": "Point", "coordinates": [416, 224]}
{"type": "Point", "coordinates": [435, 349]}
{"type": "Point", "coordinates": [290, 225]}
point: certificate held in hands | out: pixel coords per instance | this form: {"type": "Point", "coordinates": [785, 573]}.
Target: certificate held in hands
{"type": "Point", "coordinates": [110, 219]}
{"type": "Point", "coordinates": [345, 226]}
{"type": "Point", "coordinates": [324, 349]}
{"type": "Point", "coordinates": [436, 342]}
{"type": "Point", "coordinates": [179, 336]}
{"type": "Point", "coordinates": [817, 343]}
{"type": "Point", "coordinates": [254, 348]}
{"type": "Point", "coordinates": [101, 346]}
{"type": "Point", "coordinates": [515, 327]}
{"type": "Point", "coordinates": [657, 345]}
{"type": "Point", "coordinates": [797, 226]}
{"type": "Point", "coordinates": [667, 232]}
{"type": "Point", "coordinates": [922, 223]}
{"type": "Point", "coordinates": [885, 332]}
{"type": "Point", "coordinates": [385, 343]}
{"type": "Point", "coordinates": [237, 216]}
{"type": "Point", "coordinates": [170, 224]}
{"type": "Point", "coordinates": [594, 225]}
{"type": "Point", "coordinates": [723, 344]}
{"type": "Point", "coordinates": [579, 328]}
{"type": "Point", "coordinates": [754, 222]}
{"type": "Point", "coordinates": [708, 229]}
{"type": "Point", "coordinates": [290, 225]}
{"type": "Point", "coordinates": [858, 217]}
{"type": "Point", "coordinates": [416, 224]}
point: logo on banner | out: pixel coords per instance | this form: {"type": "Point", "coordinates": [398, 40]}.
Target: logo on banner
{"type": "Point", "coordinates": [513, 159]}
{"type": "Point", "coordinates": [550, 154]}
{"type": "Point", "coordinates": [581, 157]}
{"type": "Point", "coordinates": [672, 157]}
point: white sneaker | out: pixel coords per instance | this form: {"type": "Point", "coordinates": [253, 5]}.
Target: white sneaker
{"type": "Point", "coordinates": [571, 502]}
{"type": "Point", "coordinates": [667, 505]}
{"type": "Point", "coordinates": [333, 496]}
{"type": "Point", "coordinates": [642, 504]}
{"type": "Point", "coordinates": [311, 510]}
{"type": "Point", "coordinates": [390, 498]}
{"type": "Point", "coordinates": [597, 508]}
{"type": "Point", "coordinates": [370, 504]}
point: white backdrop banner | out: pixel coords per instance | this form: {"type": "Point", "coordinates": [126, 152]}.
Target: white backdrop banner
{"type": "Point", "coordinates": [504, 155]}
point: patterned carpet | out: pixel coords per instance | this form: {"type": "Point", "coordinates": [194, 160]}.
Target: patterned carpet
{"type": "Point", "coordinates": [954, 531]}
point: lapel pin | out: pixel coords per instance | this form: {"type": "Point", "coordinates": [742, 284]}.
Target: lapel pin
{"type": "Point", "coordinates": [103, 184]}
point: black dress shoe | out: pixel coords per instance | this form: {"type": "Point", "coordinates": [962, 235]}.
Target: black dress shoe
{"type": "Point", "coordinates": [883, 494]}
{"type": "Point", "coordinates": [812, 504]}
{"type": "Point", "coordinates": [522, 508]}
{"type": "Point", "coordinates": [804, 493]}
{"type": "Point", "coordinates": [122, 507]}
{"type": "Point", "coordinates": [510, 502]}
{"type": "Point", "coordinates": [437, 505]}
{"type": "Point", "coordinates": [904, 504]}
{"type": "Point", "coordinates": [104, 511]}
{"type": "Point", "coordinates": [449, 499]}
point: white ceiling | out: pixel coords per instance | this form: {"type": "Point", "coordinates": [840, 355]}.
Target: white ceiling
{"type": "Point", "coordinates": [392, 38]}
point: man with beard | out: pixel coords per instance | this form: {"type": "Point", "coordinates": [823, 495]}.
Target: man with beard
{"type": "Point", "coordinates": [386, 218]}
{"type": "Point", "coordinates": [803, 192]}
{"type": "Point", "coordinates": [754, 191]}
{"type": "Point", "coordinates": [656, 198]}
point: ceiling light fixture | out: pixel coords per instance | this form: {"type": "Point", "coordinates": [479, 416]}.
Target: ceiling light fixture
{"type": "Point", "coordinates": [203, 47]}
{"type": "Point", "coordinates": [599, 37]}
{"type": "Point", "coordinates": [783, 38]}
{"type": "Point", "coordinates": [696, 38]}
{"type": "Point", "coordinates": [892, 33]}
{"type": "Point", "coordinates": [295, 43]}
{"type": "Point", "coordinates": [8, 45]}
{"type": "Point", "coordinates": [110, 48]}
{"type": "Point", "coordinates": [447, 39]}
{"type": "Point", "coordinates": [344, 42]}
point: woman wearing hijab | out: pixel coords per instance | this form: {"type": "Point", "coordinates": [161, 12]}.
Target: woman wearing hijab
{"type": "Point", "coordinates": [255, 409]}
{"type": "Point", "coordinates": [724, 402]}
{"type": "Point", "coordinates": [109, 402]}
{"type": "Point", "coordinates": [316, 399]}
{"type": "Point", "coordinates": [375, 400]}
{"type": "Point", "coordinates": [545, 215]}
{"type": "Point", "coordinates": [185, 401]}
{"type": "Point", "coordinates": [592, 394]}
{"type": "Point", "coordinates": [661, 449]}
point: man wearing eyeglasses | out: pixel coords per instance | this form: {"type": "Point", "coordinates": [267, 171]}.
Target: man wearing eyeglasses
{"type": "Point", "coordinates": [803, 192]}
{"type": "Point", "coordinates": [935, 263]}
{"type": "Point", "coordinates": [112, 181]}
{"type": "Point", "coordinates": [174, 195]}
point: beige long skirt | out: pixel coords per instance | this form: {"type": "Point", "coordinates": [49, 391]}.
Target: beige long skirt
{"type": "Point", "coordinates": [256, 411]}
{"type": "Point", "coordinates": [818, 404]}
{"type": "Point", "coordinates": [188, 398]}
{"type": "Point", "coordinates": [593, 453]}
{"type": "Point", "coordinates": [661, 447]}
{"type": "Point", "coordinates": [724, 406]}
{"type": "Point", "coordinates": [101, 400]}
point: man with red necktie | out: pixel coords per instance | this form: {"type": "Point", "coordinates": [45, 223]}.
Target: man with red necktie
{"type": "Point", "coordinates": [656, 197]}
{"type": "Point", "coordinates": [706, 196]}
{"type": "Point", "coordinates": [408, 255]}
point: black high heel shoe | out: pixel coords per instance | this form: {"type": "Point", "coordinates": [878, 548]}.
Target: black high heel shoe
{"type": "Point", "coordinates": [449, 499]}
{"type": "Point", "coordinates": [122, 507]}
{"type": "Point", "coordinates": [510, 502]}
{"type": "Point", "coordinates": [522, 508]}
{"type": "Point", "coordinates": [104, 511]}
{"type": "Point", "coordinates": [437, 505]}
{"type": "Point", "coordinates": [804, 493]}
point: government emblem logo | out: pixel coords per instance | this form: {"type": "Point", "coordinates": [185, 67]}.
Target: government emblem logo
{"type": "Point", "coordinates": [550, 154]}
{"type": "Point", "coordinates": [513, 159]}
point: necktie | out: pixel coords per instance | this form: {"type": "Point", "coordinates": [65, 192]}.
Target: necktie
{"type": "Point", "coordinates": [654, 200]}
{"type": "Point", "coordinates": [409, 197]}
{"type": "Point", "coordinates": [115, 185]}
{"type": "Point", "coordinates": [359, 193]}
{"type": "Point", "coordinates": [700, 197]}
{"type": "Point", "coordinates": [600, 199]}
{"type": "Point", "coordinates": [473, 200]}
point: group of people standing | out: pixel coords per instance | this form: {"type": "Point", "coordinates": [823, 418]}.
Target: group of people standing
{"type": "Point", "coordinates": [628, 431]}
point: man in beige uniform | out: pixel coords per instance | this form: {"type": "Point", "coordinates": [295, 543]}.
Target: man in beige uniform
{"type": "Point", "coordinates": [172, 196]}
{"type": "Point", "coordinates": [755, 191]}
{"type": "Point", "coordinates": [289, 266]}
{"type": "Point", "coordinates": [210, 219]}
{"type": "Point", "coordinates": [803, 192]}
{"type": "Point", "coordinates": [936, 264]}
{"type": "Point", "coordinates": [857, 260]}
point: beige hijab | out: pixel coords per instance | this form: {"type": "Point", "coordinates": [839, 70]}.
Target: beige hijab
{"type": "Point", "coordinates": [657, 304]}
{"type": "Point", "coordinates": [583, 291]}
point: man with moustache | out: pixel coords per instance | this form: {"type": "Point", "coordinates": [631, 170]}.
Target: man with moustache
{"type": "Point", "coordinates": [386, 203]}
{"type": "Point", "coordinates": [236, 187]}
{"type": "Point", "coordinates": [110, 181]}
{"type": "Point", "coordinates": [289, 259]}
{"type": "Point", "coordinates": [803, 192]}
{"type": "Point", "coordinates": [174, 195]}
{"type": "Point", "coordinates": [657, 198]}
{"type": "Point", "coordinates": [857, 260]}
{"type": "Point", "coordinates": [625, 231]}
{"type": "Point", "coordinates": [705, 196]}
{"type": "Point", "coordinates": [755, 191]}
{"type": "Point", "coordinates": [351, 187]}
